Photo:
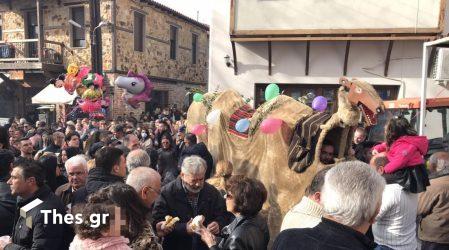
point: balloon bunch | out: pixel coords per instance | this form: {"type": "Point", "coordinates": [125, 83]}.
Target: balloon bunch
{"type": "Point", "coordinates": [88, 86]}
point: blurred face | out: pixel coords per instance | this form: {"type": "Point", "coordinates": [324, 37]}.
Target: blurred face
{"type": "Point", "coordinates": [11, 132]}
{"type": "Point", "coordinates": [187, 142]}
{"type": "Point", "coordinates": [103, 125]}
{"type": "Point", "coordinates": [20, 186]}
{"type": "Point", "coordinates": [120, 169]}
{"type": "Point", "coordinates": [372, 163]}
{"type": "Point", "coordinates": [64, 157]}
{"type": "Point", "coordinates": [74, 142]}
{"type": "Point", "coordinates": [26, 127]}
{"type": "Point", "coordinates": [59, 140]}
{"type": "Point", "coordinates": [193, 183]}
{"type": "Point", "coordinates": [230, 204]}
{"type": "Point", "coordinates": [77, 176]}
{"type": "Point", "coordinates": [153, 191]}
{"type": "Point", "coordinates": [26, 147]}
{"type": "Point", "coordinates": [359, 137]}
{"type": "Point", "coordinates": [327, 154]}
{"type": "Point", "coordinates": [133, 143]}
{"type": "Point", "coordinates": [17, 134]}
{"type": "Point", "coordinates": [165, 143]}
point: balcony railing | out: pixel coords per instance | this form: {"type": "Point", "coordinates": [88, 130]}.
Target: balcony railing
{"type": "Point", "coordinates": [27, 51]}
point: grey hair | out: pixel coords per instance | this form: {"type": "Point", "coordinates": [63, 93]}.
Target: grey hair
{"type": "Point", "coordinates": [77, 160]}
{"type": "Point", "coordinates": [440, 160]}
{"type": "Point", "coordinates": [352, 193]}
{"type": "Point", "coordinates": [193, 165]}
{"type": "Point", "coordinates": [137, 158]}
{"type": "Point", "coordinates": [141, 177]}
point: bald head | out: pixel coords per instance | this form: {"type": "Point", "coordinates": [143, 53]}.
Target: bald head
{"type": "Point", "coordinates": [438, 161]}
{"type": "Point", "coordinates": [147, 182]}
{"type": "Point", "coordinates": [137, 158]}
{"type": "Point", "coordinates": [378, 162]}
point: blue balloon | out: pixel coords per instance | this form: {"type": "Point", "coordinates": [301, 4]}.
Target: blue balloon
{"type": "Point", "coordinates": [242, 125]}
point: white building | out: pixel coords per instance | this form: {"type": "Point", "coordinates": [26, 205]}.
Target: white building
{"type": "Point", "coordinates": [385, 48]}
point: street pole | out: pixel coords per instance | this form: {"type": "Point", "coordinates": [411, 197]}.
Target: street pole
{"type": "Point", "coordinates": [95, 41]}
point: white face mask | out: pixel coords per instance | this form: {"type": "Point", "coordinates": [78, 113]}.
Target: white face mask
{"type": "Point", "coordinates": [144, 135]}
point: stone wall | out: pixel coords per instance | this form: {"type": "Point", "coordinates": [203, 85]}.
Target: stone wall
{"type": "Point", "coordinates": [154, 61]}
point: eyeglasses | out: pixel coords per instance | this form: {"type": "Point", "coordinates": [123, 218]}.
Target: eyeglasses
{"type": "Point", "coordinates": [154, 190]}
{"type": "Point", "coordinates": [227, 195]}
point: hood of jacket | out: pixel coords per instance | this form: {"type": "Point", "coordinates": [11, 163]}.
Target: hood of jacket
{"type": "Point", "coordinates": [420, 142]}
{"type": "Point", "coordinates": [99, 178]}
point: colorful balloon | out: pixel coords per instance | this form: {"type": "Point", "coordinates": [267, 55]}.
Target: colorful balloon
{"type": "Point", "coordinates": [270, 125]}
{"type": "Point", "coordinates": [72, 69]}
{"type": "Point", "coordinates": [213, 117]}
{"type": "Point", "coordinates": [319, 103]}
{"type": "Point", "coordinates": [242, 125]}
{"type": "Point", "coordinates": [199, 129]}
{"type": "Point", "coordinates": [272, 91]}
{"type": "Point", "coordinates": [198, 97]}
{"type": "Point", "coordinates": [99, 80]}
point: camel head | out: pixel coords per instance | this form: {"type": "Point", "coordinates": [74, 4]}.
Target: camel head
{"type": "Point", "coordinates": [362, 95]}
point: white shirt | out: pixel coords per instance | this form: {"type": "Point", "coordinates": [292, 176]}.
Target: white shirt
{"type": "Point", "coordinates": [395, 225]}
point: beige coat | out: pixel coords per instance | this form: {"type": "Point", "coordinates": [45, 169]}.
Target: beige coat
{"type": "Point", "coordinates": [433, 207]}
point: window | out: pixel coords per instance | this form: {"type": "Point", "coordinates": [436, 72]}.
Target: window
{"type": "Point", "coordinates": [139, 31]}
{"type": "Point", "coordinates": [78, 34]}
{"type": "Point", "coordinates": [173, 41]}
{"type": "Point", "coordinates": [194, 47]}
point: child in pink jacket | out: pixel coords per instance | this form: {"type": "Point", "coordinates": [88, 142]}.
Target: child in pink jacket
{"type": "Point", "coordinates": [404, 148]}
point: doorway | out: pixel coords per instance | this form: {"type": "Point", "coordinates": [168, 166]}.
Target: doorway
{"type": "Point", "coordinates": [31, 32]}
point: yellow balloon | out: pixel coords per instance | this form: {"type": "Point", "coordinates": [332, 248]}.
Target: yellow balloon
{"type": "Point", "coordinates": [72, 69]}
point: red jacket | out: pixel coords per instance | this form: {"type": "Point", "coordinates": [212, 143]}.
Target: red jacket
{"type": "Point", "coordinates": [407, 151]}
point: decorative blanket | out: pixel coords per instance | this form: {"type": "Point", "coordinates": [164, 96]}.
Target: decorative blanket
{"type": "Point", "coordinates": [243, 112]}
{"type": "Point", "coordinates": [301, 152]}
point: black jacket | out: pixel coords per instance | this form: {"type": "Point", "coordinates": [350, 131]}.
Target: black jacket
{"type": "Point", "coordinates": [53, 148]}
{"type": "Point", "coordinates": [96, 179]}
{"type": "Point", "coordinates": [245, 233]}
{"type": "Point", "coordinates": [41, 235]}
{"type": "Point", "coordinates": [326, 235]}
{"type": "Point", "coordinates": [167, 165]}
{"type": "Point", "coordinates": [201, 150]}
{"type": "Point", "coordinates": [173, 201]}
{"type": "Point", "coordinates": [7, 208]}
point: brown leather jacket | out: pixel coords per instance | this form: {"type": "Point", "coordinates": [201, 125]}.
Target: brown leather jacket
{"type": "Point", "coordinates": [433, 208]}
{"type": "Point", "coordinates": [65, 193]}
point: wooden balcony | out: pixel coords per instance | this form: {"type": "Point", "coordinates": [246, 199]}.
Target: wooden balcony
{"type": "Point", "coordinates": [24, 55]}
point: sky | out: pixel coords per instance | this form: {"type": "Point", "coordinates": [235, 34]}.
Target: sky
{"type": "Point", "coordinates": [190, 8]}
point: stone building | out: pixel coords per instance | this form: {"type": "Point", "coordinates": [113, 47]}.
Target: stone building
{"type": "Point", "coordinates": [144, 36]}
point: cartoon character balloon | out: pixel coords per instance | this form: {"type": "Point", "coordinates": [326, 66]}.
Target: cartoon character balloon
{"type": "Point", "coordinates": [137, 88]}
{"type": "Point", "coordinates": [88, 86]}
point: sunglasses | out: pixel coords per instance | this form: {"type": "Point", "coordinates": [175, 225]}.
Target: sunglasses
{"type": "Point", "coordinates": [227, 195]}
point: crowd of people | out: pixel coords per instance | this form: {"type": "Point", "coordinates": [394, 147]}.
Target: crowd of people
{"type": "Point", "coordinates": [157, 187]}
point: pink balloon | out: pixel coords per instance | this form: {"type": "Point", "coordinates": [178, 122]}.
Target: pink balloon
{"type": "Point", "coordinates": [199, 129]}
{"type": "Point", "coordinates": [98, 80]}
{"type": "Point", "coordinates": [270, 125]}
